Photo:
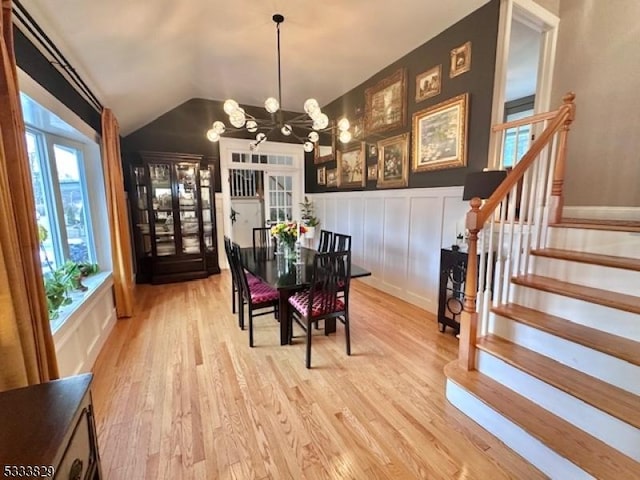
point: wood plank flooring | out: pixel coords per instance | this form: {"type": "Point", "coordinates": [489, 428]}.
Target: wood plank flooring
{"type": "Point", "coordinates": [179, 394]}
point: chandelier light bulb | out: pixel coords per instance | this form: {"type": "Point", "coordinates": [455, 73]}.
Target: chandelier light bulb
{"type": "Point", "coordinates": [212, 135]}
{"type": "Point", "coordinates": [321, 122]}
{"type": "Point", "coordinates": [252, 126]}
{"type": "Point", "coordinates": [314, 137]}
{"type": "Point", "coordinates": [343, 124]}
{"type": "Point", "coordinates": [311, 106]}
{"type": "Point", "coordinates": [218, 127]}
{"type": "Point", "coordinates": [286, 130]}
{"type": "Point", "coordinates": [261, 137]}
{"type": "Point", "coordinates": [237, 119]}
{"type": "Point", "coordinates": [308, 147]}
{"type": "Point", "coordinates": [271, 105]}
{"type": "Point", "coordinates": [230, 106]}
{"type": "Point", "coordinates": [345, 136]}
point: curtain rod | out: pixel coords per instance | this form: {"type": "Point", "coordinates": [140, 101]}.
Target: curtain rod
{"type": "Point", "coordinates": [58, 58]}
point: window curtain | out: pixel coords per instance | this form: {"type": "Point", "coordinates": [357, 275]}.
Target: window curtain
{"type": "Point", "coordinates": [27, 352]}
{"type": "Point", "coordinates": [118, 217]}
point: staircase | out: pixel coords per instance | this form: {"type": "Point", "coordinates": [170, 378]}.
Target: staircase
{"type": "Point", "coordinates": [549, 352]}
{"type": "Point", "coordinates": [558, 372]}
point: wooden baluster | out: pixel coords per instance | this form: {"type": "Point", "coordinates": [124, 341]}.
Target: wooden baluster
{"type": "Point", "coordinates": [557, 199]}
{"type": "Point", "coordinates": [469, 315]}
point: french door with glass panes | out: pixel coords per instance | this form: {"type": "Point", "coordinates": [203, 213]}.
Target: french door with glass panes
{"type": "Point", "coordinates": [281, 196]}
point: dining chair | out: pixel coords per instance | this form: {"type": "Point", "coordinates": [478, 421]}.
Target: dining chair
{"type": "Point", "coordinates": [331, 274]}
{"type": "Point", "coordinates": [340, 243]}
{"type": "Point", "coordinates": [258, 296]}
{"type": "Point", "coordinates": [326, 238]}
{"type": "Point", "coordinates": [234, 277]}
{"type": "Point", "coordinates": [261, 237]}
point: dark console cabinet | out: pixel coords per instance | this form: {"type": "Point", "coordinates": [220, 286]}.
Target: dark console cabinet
{"type": "Point", "coordinates": [48, 431]}
{"type": "Point", "coordinates": [453, 271]}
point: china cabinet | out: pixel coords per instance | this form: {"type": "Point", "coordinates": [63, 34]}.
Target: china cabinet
{"type": "Point", "coordinates": [174, 217]}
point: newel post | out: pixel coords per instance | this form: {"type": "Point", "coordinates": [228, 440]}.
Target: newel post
{"type": "Point", "coordinates": [557, 198]}
{"type": "Point", "coordinates": [469, 316]}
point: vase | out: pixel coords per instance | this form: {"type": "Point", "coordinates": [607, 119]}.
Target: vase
{"type": "Point", "coordinates": [289, 249]}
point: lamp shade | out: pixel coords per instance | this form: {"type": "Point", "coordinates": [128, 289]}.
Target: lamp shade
{"type": "Point", "coordinates": [482, 184]}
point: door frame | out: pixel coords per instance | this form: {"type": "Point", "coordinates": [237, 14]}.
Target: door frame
{"type": "Point", "coordinates": [229, 146]}
{"type": "Point", "coordinates": [538, 18]}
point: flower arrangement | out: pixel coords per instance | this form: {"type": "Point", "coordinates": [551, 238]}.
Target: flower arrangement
{"type": "Point", "coordinates": [287, 233]}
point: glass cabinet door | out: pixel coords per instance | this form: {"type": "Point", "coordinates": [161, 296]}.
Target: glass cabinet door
{"type": "Point", "coordinates": [142, 214]}
{"type": "Point", "coordinates": [206, 192]}
{"type": "Point", "coordinates": [162, 202]}
{"type": "Point", "coordinates": [186, 174]}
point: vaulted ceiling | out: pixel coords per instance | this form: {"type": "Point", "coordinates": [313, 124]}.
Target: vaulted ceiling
{"type": "Point", "coordinates": [142, 58]}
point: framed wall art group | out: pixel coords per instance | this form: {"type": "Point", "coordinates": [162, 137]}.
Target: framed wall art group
{"type": "Point", "coordinates": [351, 166]}
{"type": "Point", "coordinates": [385, 106]}
{"type": "Point", "coordinates": [393, 161]}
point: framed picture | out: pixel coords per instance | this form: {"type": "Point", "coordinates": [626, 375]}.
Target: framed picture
{"type": "Point", "coordinates": [460, 60]}
{"type": "Point", "coordinates": [373, 150]}
{"type": "Point", "coordinates": [440, 135]}
{"type": "Point", "coordinates": [393, 161]}
{"type": "Point", "coordinates": [357, 128]}
{"type": "Point", "coordinates": [332, 177]}
{"type": "Point", "coordinates": [321, 176]}
{"type": "Point", "coordinates": [385, 105]}
{"type": "Point", "coordinates": [351, 165]}
{"type": "Point", "coordinates": [428, 83]}
{"type": "Point", "coordinates": [372, 172]}
{"type": "Point", "coordinates": [324, 153]}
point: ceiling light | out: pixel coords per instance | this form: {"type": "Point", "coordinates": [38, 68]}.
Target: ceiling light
{"type": "Point", "coordinates": [312, 122]}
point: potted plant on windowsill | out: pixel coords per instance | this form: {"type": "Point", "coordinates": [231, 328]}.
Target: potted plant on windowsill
{"type": "Point", "coordinates": [309, 220]}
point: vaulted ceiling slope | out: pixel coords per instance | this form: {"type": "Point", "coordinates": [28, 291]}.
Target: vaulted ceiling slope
{"type": "Point", "coordinates": [142, 58]}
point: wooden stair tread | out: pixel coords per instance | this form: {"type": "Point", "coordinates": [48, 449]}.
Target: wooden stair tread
{"type": "Point", "coordinates": [594, 224]}
{"type": "Point", "coordinates": [590, 454]}
{"type": "Point", "coordinates": [607, 298]}
{"type": "Point", "coordinates": [615, 401]}
{"type": "Point", "coordinates": [619, 347]}
{"type": "Point", "coordinates": [591, 258]}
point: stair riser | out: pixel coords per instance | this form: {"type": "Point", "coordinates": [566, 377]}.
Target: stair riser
{"type": "Point", "coordinates": [622, 244]}
{"type": "Point", "coordinates": [527, 446]}
{"type": "Point", "coordinates": [597, 364]}
{"type": "Point", "coordinates": [611, 320]}
{"type": "Point", "coordinates": [596, 276]}
{"type": "Point", "coordinates": [619, 435]}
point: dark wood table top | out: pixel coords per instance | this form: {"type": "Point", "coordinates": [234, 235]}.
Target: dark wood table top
{"type": "Point", "coordinates": [282, 273]}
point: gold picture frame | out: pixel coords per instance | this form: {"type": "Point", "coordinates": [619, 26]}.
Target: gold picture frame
{"type": "Point", "coordinates": [351, 167]}
{"type": "Point", "coordinates": [393, 162]}
{"type": "Point", "coordinates": [372, 172]}
{"type": "Point", "coordinates": [440, 135]}
{"type": "Point", "coordinates": [324, 153]}
{"type": "Point", "coordinates": [385, 105]}
{"type": "Point", "coordinates": [428, 84]}
{"type": "Point", "coordinates": [332, 177]}
{"type": "Point", "coordinates": [460, 60]}
{"type": "Point", "coordinates": [321, 176]}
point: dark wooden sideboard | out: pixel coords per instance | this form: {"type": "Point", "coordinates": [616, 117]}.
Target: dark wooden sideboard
{"type": "Point", "coordinates": [48, 431]}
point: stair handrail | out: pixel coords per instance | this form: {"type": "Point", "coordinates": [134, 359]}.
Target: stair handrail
{"type": "Point", "coordinates": [480, 213]}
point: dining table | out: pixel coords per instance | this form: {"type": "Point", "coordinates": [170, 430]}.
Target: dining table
{"type": "Point", "coordinates": [288, 276]}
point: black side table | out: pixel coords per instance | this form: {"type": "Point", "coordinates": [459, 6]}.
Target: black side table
{"type": "Point", "coordinates": [453, 272]}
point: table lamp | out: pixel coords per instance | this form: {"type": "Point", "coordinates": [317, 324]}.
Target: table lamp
{"type": "Point", "coordinates": [482, 184]}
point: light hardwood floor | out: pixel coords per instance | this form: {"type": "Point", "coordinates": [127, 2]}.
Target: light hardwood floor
{"type": "Point", "coordinates": [179, 394]}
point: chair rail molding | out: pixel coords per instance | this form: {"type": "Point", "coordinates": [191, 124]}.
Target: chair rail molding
{"type": "Point", "coordinates": [397, 234]}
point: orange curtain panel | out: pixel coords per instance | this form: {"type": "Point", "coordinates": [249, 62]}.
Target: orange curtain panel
{"type": "Point", "coordinates": [118, 219]}
{"type": "Point", "coordinates": [27, 352]}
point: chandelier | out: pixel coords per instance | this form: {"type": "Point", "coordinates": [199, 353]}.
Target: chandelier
{"type": "Point", "coordinates": [312, 122]}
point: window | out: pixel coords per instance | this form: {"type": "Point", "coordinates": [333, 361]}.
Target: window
{"type": "Point", "coordinates": [60, 191]}
{"type": "Point", "coordinates": [517, 140]}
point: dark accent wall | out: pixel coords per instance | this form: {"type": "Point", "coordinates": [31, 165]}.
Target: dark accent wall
{"type": "Point", "coordinates": [183, 130]}
{"type": "Point", "coordinates": [38, 67]}
{"type": "Point", "coordinates": [481, 28]}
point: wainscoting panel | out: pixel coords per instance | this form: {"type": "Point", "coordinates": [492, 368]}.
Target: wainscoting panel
{"type": "Point", "coordinates": [397, 234]}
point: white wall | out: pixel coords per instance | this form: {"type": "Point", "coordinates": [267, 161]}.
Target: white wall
{"type": "Point", "coordinates": [397, 234]}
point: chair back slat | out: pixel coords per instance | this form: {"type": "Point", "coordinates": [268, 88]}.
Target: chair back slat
{"type": "Point", "coordinates": [326, 239]}
{"type": "Point", "coordinates": [331, 274]}
{"type": "Point", "coordinates": [227, 251]}
{"type": "Point", "coordinates": [261, 237]}
{"type": "Point", "coordinates": [341, 242]}
{"type": "Point", "coordinates": [243, 284]}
